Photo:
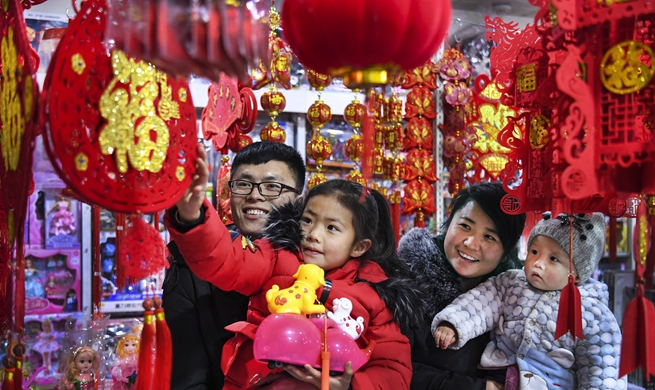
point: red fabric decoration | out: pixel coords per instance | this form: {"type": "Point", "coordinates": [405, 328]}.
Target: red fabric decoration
{"type": "Point", "coordinates": [144, 250]}
{"type": "Point", "coordinates": [569, 317]}
{"type": "Point", "coordinates": [125, 143]}
{"type": "Point", "coordinates": [146, 378]}
{"type": "Point", "coordinates": [10, 372]}
{"type": "Point", "coordinates": [164, 355]}
{"type": "Point", "coordinates": [231, 110]}
{"type": "Point", "coordinates": [382, 33]}
{"type": "Point", "coordinates": [638, 344]}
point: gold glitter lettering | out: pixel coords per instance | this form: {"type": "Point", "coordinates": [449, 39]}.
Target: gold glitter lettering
{"type": "Point", "coordinates": [10, 104]}
{"type": "Point", "coordinates": [125, 106]}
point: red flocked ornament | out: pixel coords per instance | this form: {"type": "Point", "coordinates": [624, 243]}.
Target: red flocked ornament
{"type": "Point", "coordinates": [143, 253]}
{"type": "Point", "coordinates": [119, 132]}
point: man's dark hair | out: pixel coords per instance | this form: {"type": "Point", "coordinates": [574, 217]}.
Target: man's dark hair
{"type": "Point", "coordinates": [265, 151]}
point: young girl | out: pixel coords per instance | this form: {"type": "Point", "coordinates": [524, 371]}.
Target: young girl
{"type": "Point", "coordinates": [124, 371]}
{"type": "Point", "coordinates": [80, 371]}
{"type": "Point", "coordinates": [346, 230]}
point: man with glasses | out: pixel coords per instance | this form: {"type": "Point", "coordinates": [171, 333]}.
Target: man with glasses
{"type": "Point", "coordinates": [264, 175]}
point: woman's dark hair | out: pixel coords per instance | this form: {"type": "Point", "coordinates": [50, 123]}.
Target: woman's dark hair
{"type": "Point", "coordinates": [488, 196]}
{"type": "Point", "coordinates": [371, 217]}
{"type": "Point", "coordinates": [265, 151]}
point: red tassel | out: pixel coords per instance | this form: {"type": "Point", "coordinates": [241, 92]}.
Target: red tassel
{"type": "Point", "coordinates": [419, 220]}
{"type": "Point", "coordinates": [612, 240]}
{"type": "Point", "coordinates": [121, 282]}
{"type": "Point", "coordinates": [19, 299]}
{"type": "Point", "coordinates": [164, 356]}
{"type": "Point", "coordinates": [10, 371]}
{"type": "Point", "coordinates": [395, 216]}
{"type": "Point", "coordinates": [569, 318]}
{"type": "Point", "coordinates": [368, 135]}
{"type": "Point", "coordinates": [145, 379]}
{"type": "Point", "coordinates": [95, 244]}
{"type": "Point", "coordinates": [638, 344]}
{"type": "Point", "coordinates": [144, 251]}
{"type": "Point", "coordinates": [18, 374]}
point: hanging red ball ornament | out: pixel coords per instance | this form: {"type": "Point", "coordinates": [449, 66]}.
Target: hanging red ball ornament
{"type": "Point", "coordinates": [273, 132]}
{"type": "Point", "coordinates": [354, 148]}
{"type": "Point", "coordinates": [319, 114]}
{"type": "Point", "coordinates": [354, 114]}
{"type": "Point", "coordinates": [273, 102]}
{"type": "Point", "coordinates": [318, 80]}
{"type": "Point", "coordinates": [316, 179]}
{"type": "Point", "coordinates": [318, 149]}
{"type": "Point", "coordinates": [396, 35]}
{"type": "Point", "coordinates": [356, 176]}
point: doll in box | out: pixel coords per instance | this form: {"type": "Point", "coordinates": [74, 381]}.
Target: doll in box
{"type": "Point", "coordinates": [33, 285]}
{"type": "Point", "coordinates": [46, 344]}
{"type": "Point", "coordinates": [125, 370]}
{"type": "Point", "coordinates": [63, 219]}
{"type": "Point", "coordinates": [80, 373]}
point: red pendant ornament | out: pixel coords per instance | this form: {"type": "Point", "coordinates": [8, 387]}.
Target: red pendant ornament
{"type": "Point", "coordinates": [319, 114]}
{"type": "Point", "coordinates": [420, 169]}
{"type": "Point", "coordinates": [638, 344]}
{"type": "Point", "coordinates": [231, 111]}
{"type": "Point", "coordinates": [18, 108]}
{"type": "Point", "coordinates": [119, 132]}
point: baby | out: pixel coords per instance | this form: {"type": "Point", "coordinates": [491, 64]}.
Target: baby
{"type": "Point", "coordinates": [521, 307]}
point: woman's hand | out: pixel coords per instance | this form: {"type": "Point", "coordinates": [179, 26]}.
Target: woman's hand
{"type": "Point", "coordinates": [493, 385]}
{"type": "Point", "coordinates": [445, 335]}
{"type": "Point", "coordinates": [189, 205]}
{"type": "Point", "coordinates": [311, 375]}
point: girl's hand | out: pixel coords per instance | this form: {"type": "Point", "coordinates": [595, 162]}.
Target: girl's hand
{"type": "Point", "coordinates": [189, 205]}
{"type": "Point", "coordinates": [445, 335]}
{"type": "Point", "coordinates": [311, 375]}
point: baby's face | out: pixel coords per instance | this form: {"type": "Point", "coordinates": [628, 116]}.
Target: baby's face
{"type": "Point", "coordinates": [547, 264]}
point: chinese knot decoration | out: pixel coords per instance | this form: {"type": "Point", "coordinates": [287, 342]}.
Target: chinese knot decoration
{"type": "Point", "coordinates": [420, 169]}
{"type": "Point", "coordinates": [319, 114]}
{"type": "Point", "coordinates": [586, 144]}
{"type": "Point", "coordinates": [230, 114]}
{"type": "Point", "coordinates": [18, 113]}
{"type": "Point", "coordinates": [120, 133]}
{"type": "Point", "coordinates": [278, 72]}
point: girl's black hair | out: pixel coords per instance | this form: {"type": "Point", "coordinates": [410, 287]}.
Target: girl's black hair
{"type": "Point", "coordinates": [488, 196]}
{"type": "Point", "coordinates": [371, 217]}
{"type": "Point", "coordinates": [401, 292]}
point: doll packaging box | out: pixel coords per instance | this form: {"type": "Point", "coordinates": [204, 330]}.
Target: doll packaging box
{"type": "Point", "coordinates": [52, 281]}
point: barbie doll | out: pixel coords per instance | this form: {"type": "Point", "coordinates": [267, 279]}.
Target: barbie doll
{"type": "Point", "coordinates": [63, 219]}
{"type": "Point", "coordinates": [33, 286]}
{"type": "Point", "coordinates": [125, 370]}
{"type": "Point", "coordinates": [46, 345]}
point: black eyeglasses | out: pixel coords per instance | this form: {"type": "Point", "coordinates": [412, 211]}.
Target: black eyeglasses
{"type": "Point", "coordinates": [266, 188]}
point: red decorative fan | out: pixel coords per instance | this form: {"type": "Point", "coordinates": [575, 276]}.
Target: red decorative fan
{"type": "Point", "coordinates": [119, 132]}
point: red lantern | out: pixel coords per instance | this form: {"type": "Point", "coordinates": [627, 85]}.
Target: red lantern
{"type": "Point", "coordinates": [354, 114]}
{"type": "Point", "coordinates": [273, 101]}
{"type": "Point", "coordinates": [319, 149]}
{"type": "Point", "coordinates": [319, 114]}
{"type": "Point", "coordinates": [384, 36]}
{"type": "Point", "coordinates": [273, 132]}
{"type": "Point", "coordinates": [354, 148]}
{"type": "Point", "coordinates": [317, 80]}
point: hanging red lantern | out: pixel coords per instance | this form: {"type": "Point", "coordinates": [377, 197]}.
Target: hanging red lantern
{"type": "Point", "coordinates": [384, 36]}
{"type": "Point", "coordinates": [354, 148]}
{"type": "Point", "coordinates": [319, 149]}
{"type": "Point", "coordinates": [354, 114]}
{"type": "Point", "coordinates": [273, 132]}
{"type": "Point", "coordinates": [318, 80]}
{"type": "Point", "coordinates": [319, 114]}
{"type": "Point", "coordinates": [273, 102]}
